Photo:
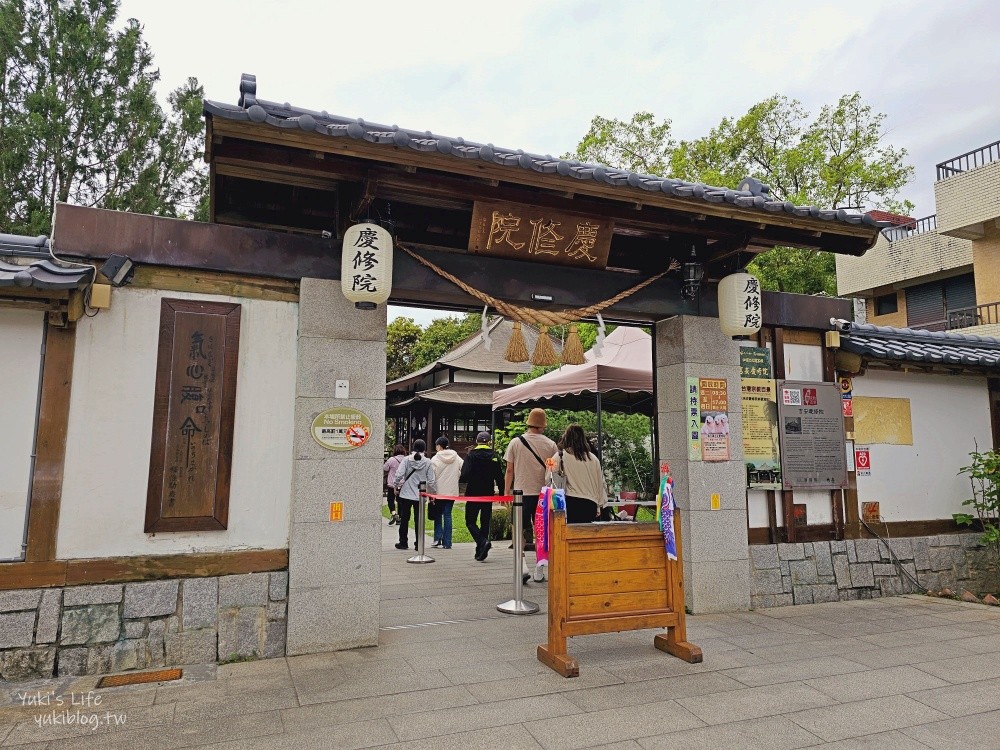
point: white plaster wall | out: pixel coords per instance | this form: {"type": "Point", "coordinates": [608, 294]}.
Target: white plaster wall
{"type": "Point", "coordinates": [20, 361]}
{"type": "Point", "coordinates": [110, 431]}
{"type": "Point", "coordinates": [920, 481]}
{"type": "Point", "coordinates": [803, 362]}
{"type": "Point", "coordinates": [757, 509]}
{"type": "Point", "coordinates": [468, 376]}
{"type": "Point", "coordinates": [440, 377]}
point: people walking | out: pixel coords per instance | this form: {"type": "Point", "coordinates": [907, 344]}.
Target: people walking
{"type": "Point", "coordinates": [525, 457]}
{"type": "Point", "coordinates": [388, 473]}
{"type": "Point", "coordinates": [482, 476]}
{"type": "Point", "coordinates": [412, 470]}
{"type": "Point", "coordinates": [447, 468]}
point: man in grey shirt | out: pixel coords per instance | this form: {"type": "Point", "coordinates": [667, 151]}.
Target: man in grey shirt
{"type": "Point", "coordinates": [525, 459]}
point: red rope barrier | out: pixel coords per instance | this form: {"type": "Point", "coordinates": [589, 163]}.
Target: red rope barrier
{"type": "Point", "coordinates": [472, 498]}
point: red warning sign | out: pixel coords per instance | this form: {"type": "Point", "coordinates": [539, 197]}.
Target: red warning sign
{"type": "Point", "coordinates": [863, 461]}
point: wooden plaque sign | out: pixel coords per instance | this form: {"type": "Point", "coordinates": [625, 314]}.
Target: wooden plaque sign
{"type": "Point", "coordinates": [516, 230]}
{"type": "Point", "coordinates": [606, 578]}
{"type": "Point", "coordinates": [193, 413]}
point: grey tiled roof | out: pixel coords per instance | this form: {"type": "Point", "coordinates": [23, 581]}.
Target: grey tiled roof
{"type": "Point", "coordinates": [471, 354]}
{"type": "Point", "coordinates": [754, 196]}
{"type": "Point", "coordinates": [464, 394]}
{"type": "Point", "coordinates": [42, 274]}
{"type": "Point", "coordinates": [927, 347]}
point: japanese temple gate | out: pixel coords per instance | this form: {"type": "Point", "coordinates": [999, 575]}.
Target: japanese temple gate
{"type": "Point", "coordinates": [287, 182]}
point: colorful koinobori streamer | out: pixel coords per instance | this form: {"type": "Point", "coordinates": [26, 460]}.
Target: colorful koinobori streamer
{"type": "Point", "coordinates": [665, 511]}
{"type": "Point", "coordinates": [548, 498]}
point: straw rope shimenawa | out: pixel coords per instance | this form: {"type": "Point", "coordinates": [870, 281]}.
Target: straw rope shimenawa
{"type": "Point", "coordinates": [517, 350]}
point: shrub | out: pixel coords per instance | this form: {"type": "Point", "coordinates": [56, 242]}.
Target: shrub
{"type": "Point", "coordinates": [984, 476]}
{"type": "Point", "coordinates": [500, 527]}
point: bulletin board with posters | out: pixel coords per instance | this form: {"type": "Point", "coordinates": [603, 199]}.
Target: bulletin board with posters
{"type": "Point", "coordinates": [811, 424]}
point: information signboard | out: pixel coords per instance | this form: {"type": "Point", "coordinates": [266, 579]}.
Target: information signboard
{"type": "Point", "coordinates": [811, 423]}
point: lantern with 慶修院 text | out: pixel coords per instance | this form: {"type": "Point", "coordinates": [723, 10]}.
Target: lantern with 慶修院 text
{"type": "Point", "coordinates": [740, 312]}
{"type": "Point", "coordinates": [366, 265]}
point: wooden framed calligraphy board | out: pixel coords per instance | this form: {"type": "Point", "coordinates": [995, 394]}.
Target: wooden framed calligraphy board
{"type": "Point", "coordinates": [542, 235]}
{"type": "Point", "coordinates": [194, 411]}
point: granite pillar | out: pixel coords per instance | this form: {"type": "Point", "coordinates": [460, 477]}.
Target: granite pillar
{"type": "Point", "coordinates": [716, 552]}
{"type": "Point", "coordinates": [334, 573]}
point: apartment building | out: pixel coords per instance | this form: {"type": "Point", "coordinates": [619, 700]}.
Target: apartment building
{"type": "Point", "coordinates": [939, 272]}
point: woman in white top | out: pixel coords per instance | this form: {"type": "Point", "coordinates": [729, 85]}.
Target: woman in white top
{"type": "Point", "coordinates": [448, 468]}
{"type": "Point", "coordinates": [586, 489]}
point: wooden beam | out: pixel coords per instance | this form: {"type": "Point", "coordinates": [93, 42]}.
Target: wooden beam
{"type": "Point", "coordinates": [214, 282]}
{"type": "Point", "coordinates": [50, 444]}
{"type": "Point", "coordinates": [395, 155]}
{"type": "Point", "coordinates": [97, 233]}
{"type": "Point", "coordinates": [200, 565]}
{"type": "Point", "coordinates": [28, 575]}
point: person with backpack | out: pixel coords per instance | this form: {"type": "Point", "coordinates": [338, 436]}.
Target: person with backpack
{"type": "Point", "coordinates": [412, 470]}
{"type": "Point", "coordinates": [525, 457]}
{"type": "Point", "coordinates": [482, 476]}
{"type": "Point", "coordinates": [388, 472]}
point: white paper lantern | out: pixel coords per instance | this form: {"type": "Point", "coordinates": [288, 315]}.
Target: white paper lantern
{"type": "Point", "coordinates": [739, 305]}
{"type": "Point", "coordinates": [366, 265]}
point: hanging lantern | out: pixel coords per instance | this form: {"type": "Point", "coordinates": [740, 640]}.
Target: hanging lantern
{"type": "Point", "coordinates": [739, 305]}
{"type": "Point", "coordinates": [366, 265]}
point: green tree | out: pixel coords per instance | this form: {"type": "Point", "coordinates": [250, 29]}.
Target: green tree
{"type": "Point", "coordinates": [401, 335]}
{"type": "Point", "coordinates": [837, 159]}
{"type": "Point", "coordinates": [79, 119]}
{"type": "Point", "coordinates": [442, 335]}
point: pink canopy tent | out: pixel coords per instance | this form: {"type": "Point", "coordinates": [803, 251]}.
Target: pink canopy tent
{"type": "Point", "coordinates": [620, 379]}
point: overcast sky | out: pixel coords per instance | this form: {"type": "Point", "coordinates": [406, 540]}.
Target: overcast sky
{"type": "Point", "coordinates": [531, 75]}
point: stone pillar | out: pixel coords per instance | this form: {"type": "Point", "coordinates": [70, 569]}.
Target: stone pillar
{"type": "Point", "coordinates": [334, 567]}
{"type": "Point", "coordinates": [716, 552]}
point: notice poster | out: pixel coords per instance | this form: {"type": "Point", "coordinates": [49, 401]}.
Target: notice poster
{"type": "Point", "coordinates": [760, 433]}
{"type": "Point", "coordinates": [713, 402]}
{"type": "Point", "coordinates": [755, 362]}
{"type": "Point", "coordinates": [693, 420]}
{"type": "Point", "coordinates": [811, 425]}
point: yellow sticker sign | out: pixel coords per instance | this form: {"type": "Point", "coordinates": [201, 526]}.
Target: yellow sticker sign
{"type": "Point", "coordinates": [716, 501]}
{"type": "Point", "coordinates": [336, 511]}
{"type": "Point", "coordinates": [341, 429]}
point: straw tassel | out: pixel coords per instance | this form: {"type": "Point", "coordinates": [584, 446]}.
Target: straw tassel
{"type": "Point", "coordinates": [544, 353]}
{"type": "Point", "coordinates": [572, 353]}
{"type": "Point", "coordinates": [517, 348]}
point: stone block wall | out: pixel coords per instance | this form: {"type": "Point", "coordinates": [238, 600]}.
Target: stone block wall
{"type": "Point", "coordinates": [804, 573]}
{"type": "Point", "coordinates": [118, 627]}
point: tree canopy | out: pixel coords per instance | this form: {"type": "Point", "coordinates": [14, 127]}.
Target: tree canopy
{"type": "Point", "coordinates": [80, 122]}
{"type": "Point", "coordinates": [836, 158]}
{"type": "Point", "coordinates": [409, 347]}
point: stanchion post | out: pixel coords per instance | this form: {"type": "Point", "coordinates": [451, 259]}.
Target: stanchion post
{"type": "Point", "coordinates": [517, 605]}
{"type": "Point", "coordinates": [420, 557]}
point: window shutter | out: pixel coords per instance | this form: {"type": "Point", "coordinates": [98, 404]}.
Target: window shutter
{"type": "Point", "coordinates": [960, 292]}
{"type": "Point", "coordinates": [925, 307]}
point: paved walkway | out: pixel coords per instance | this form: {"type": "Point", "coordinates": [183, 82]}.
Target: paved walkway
{"type": "Point", "coordinates": [452, 673]}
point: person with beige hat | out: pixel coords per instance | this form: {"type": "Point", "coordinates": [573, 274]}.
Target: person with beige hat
{"type": "Point", "coordinates": [526, 469]}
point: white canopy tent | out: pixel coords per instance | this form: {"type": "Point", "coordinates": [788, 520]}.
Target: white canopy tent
{"type": "Point", "coordinates": [620, 379]}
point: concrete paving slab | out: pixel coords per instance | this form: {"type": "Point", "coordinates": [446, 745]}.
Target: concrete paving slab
{"type": "Point", "coordinates": [978, 732]}
{"type": "Point", "coordinates": [652, 691]}
{"type": "Point", "coordinates": [865, 717]}
{"type": "Point", "coordinates": [793, 671]}
{"type": "Point", "coordinates": [858, 686]}
{"type": "Point", "coordinates": [963, 700]}
{"type": "Point", "coordinates": [894, 740]}
{"type": "Point", "coordinates": [765, 734]}
{"type": "Point", "coordinates": [425, 724]}
{"type": "Point", "coordinates": [755, 702]}
{"type": "Point", "coordinates": [597, 728]}
{"type": "Point", "coordinates": [955, 671]}
{"type": "Point", "coordinates": [359, 709]}
{"type": "Point", "coordinates": [892, 673]}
